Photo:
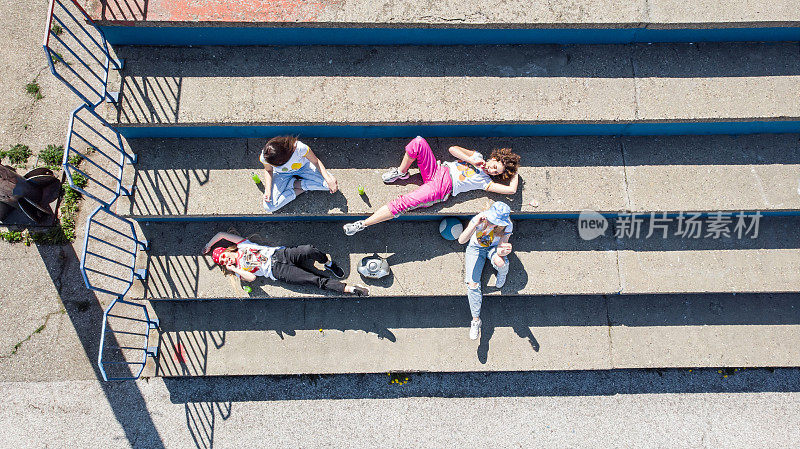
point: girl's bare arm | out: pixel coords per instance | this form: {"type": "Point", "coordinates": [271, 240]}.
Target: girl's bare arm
{"type": "Point", "coordinates": [502, 189]}
{"type": "Point", "coordinates": [469, 230]}
{"type": "Point", "coordinates": [465, 155]}
{"type": "Point", "coordinates": [243, 275]}
{"type": "Point", "coordinates": [267, 182]}
{"type": "Point", "coordinates": [332, 184]}
{"type": "Point", "coordinates": [219, 236]}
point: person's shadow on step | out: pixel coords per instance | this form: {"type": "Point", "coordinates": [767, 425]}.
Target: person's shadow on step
{"type": "Point", "coordinates": [487, 330]}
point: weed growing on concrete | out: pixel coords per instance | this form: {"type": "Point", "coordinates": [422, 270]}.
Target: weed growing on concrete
{"type": "Point", "coordinates": [56, 29]}
{"type": "Point", "coordinates": [33, 89]}
{"type": "Point", "coordinates": [11, 236]}
{"type": "Point", "coordinates": [38, 330]}
{"type": "Point", "coordinates": [18, 154]}
{"type": "Point", "coordinates": [398, 378]}
{"type": "Point", "coordinates": [56, 58]}
{"type": "Point", "coordinates": [52, 156]}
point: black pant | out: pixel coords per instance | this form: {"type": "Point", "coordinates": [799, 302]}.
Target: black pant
{"type": "Point", "coordinates": [296, 266]}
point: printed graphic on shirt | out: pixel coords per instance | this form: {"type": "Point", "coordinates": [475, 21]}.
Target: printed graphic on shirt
{"type": "Point", "coordinates": [465, 171]}
{"type": "Point", "coordinates": [466, 177]}
{"type": "Point", "coordinates": [251, 259]}
{"type": "Point", "coordinates": [485, 236]}
{"type": "Point", "coordinates": [295, 162]}
{"type": "Point", "coordinates": [256, 259]}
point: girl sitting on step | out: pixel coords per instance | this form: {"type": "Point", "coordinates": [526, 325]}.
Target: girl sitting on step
{"type": "Point", "coordinates": [295, 265]}
{"type": "Point", "coordinates": [470, 172]}
{"type": "Point", "coordinates": [291, 168]}
{"type": "Point", "coordinates": [487, 234]}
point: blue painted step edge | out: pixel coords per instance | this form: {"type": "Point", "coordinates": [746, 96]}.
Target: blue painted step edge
{"type": "Point", "coordinates": [236, 34]}
{"type": "Point", "coordinates": [458, 130]}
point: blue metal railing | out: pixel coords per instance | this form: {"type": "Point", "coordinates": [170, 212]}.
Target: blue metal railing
{"type": "Point", "coordinates": [119, 358]}
{"type": "Point", "coordinates": [90, 75]}
{"type": "Point", "coordinates": [101, 251]}
{"type": "Point", "coordinates": [103, 151]}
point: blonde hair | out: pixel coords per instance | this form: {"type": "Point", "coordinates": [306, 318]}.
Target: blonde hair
{"type": "Point", "coordinates": [234, 280]}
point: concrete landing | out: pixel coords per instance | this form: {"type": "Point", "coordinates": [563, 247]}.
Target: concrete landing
{"type": "Point", "coordinates": [518, 333]}
{"type": "Point", "coordinates": [604, 90]}
{"type": "Point", "coordinates": [549, 259]}
{"type": "Point", "coordinates": [195, 178]}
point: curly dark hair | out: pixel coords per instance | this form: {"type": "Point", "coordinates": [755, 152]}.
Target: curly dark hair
{"type": "Point", "coordinates": [509, 160]}
{"type": "Point", "coordinates": [278, 150]}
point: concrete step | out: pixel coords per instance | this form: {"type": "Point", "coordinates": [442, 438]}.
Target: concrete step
{"type": "Point", "coordinates": [518, 333]}
{"type": "Point", "coordinates": [549, 258]}
{"type": "Point", "coordinates": [184, 22]}
{"type": "Point", "coordinates": [456, 91]}
{"type": "Point", "coordinates": [196, 178]}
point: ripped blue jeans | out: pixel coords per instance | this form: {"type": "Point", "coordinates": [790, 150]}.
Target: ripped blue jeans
{"type": "Point", "coordinates": [474, 261]}
{"type": "Point", "coordinates": [283, 186]}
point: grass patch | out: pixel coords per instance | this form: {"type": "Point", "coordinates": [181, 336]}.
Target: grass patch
{"type": "Point", "coordinates": [34, 89]}
{"type": "Point", "coordinates": [52, 156]}
{"type": "Point", "coordinates": [17, 155]}
{"type": "Point", "coordinates": [56, 57]}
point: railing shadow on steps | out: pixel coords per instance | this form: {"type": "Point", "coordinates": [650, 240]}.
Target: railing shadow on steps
{"type": "Point", "coordinates": [70, 29]}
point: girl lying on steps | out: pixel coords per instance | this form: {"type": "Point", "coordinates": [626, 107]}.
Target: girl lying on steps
{"type": "Point", "coordinates": [295, 265]}
{"type": "Point", "coordinates": [470, 172]}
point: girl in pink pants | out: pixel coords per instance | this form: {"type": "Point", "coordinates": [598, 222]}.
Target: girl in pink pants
{"type": "Point", "coordinates": [440, 180]}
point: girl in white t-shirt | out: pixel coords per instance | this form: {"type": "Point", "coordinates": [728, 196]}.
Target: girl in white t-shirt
{"type": "Point", "coordinates": [295, 265]}
{"type": "Point", "coordinates": [487, 234]}
{"type": "Point", "coordinates": [471, 171]}
{"type": "Point", "coordinates": [291, 168]}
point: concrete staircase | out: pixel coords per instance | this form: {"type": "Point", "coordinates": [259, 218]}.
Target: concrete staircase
{"type": "Point", "coordinates": [612, 128]}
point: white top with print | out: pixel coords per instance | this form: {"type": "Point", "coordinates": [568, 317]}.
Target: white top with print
{"type": "Point", "coordinates": [256, 259]}
{"type": "Point", "coordinates": [486, 238]}
{"type": "Point", "coordinates": [295, 162]}
{"type": "Point", "coordinates": [467, 177]}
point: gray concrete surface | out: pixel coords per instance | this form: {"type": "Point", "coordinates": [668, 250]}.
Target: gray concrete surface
{"type": "Point", "coordinates": [23, 119]}
{"type": "Point", "coordinates": [186, 177]}
{"type": "Point", "coordinates": [549, 258]}
{"type": "Point", "coordinates": [676, 408]}
{"type": "Point", "coordinates": [496, 13]}
{"type": "Point", "coordinates": [197, 177]}
{"type": "Point", "coordinates": [214, 338]}
{"type": "Point", "coordinates": [51, 395]}
{"type": "Point", "coordinates": [516, 84]}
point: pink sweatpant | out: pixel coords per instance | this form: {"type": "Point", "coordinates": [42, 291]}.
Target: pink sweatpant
{"type": "Point", "coordinates": [437, 183]}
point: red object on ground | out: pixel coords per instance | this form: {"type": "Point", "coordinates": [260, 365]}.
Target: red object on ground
{"type": "Point", "coordinates": [180, 353]}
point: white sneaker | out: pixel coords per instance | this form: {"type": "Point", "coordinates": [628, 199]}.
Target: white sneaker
{"type": "Point", "coordinates": [500, 281]}
{"type": "Point", "coordinates": [352, 228]}
{"type": "Point", "coordinates": [393, 175]}
{"type": "Point", "coordinates": [475, 329]}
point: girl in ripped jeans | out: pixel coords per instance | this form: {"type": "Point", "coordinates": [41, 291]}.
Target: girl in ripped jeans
{"type": "Point", "coordinates": [487, 234]}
